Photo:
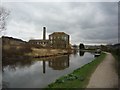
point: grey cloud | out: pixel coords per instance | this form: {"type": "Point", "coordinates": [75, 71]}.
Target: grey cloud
{"type": "Point", "coordinates": [85, 22]}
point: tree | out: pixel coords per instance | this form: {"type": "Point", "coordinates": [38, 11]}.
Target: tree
{"type": "Point", "coordinates": [81, 46]}
{"type": "Point", "coordinates": [4, 13]}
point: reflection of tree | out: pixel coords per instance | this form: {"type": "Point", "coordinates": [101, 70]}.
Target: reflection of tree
{"type": "Point", "coordinates": [16, 62]}
{"type": "Point", "coordinates": [81, 53]}
{"type": "Point", "coordinates": [59, 63]}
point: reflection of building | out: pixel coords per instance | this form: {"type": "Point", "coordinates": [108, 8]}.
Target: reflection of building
{"type": "Point", "coordinates": [56, 40]}
{"type": "Point", "coordinates": [59, 63]}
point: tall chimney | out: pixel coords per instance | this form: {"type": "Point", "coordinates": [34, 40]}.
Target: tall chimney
{"type": "Point", "coordinates": [44, 33]}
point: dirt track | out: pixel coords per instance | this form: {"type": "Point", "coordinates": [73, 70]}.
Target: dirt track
{"type": "Point", "coordinates": [105, 75]}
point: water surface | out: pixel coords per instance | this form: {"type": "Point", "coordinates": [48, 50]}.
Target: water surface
{"type": "Point", "coordinates": [38, 73]}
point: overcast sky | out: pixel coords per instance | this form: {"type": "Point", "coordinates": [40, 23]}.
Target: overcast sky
{"type": "Point", "coordinates": [88, 23]}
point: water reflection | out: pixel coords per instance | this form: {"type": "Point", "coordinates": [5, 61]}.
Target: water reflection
{"type": "Point", "coordinates": [59, 63]}
{"type": "Point", "coordinates": [31, 73]}
{"type": "Point", "coordinates": [75, 52]}
{"type": "Point", "coordinates": [12, 63]}
{"type": "Point", "coordinates": [81, 53]}
{"type": "Point", "coordinates": [56, 63]}
{"type": "Point", "coordinates": [44, 66]}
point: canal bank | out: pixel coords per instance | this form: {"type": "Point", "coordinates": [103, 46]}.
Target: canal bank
{"type": "Point", "coordinates": [39, 53]}
{"type": "Point", "coordinates": [78, 78]}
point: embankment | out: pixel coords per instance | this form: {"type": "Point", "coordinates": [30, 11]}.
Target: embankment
{"type": "Point", "coordinates": [38, 53]}
{"type": "Point", "coordinates": [25, 50]}
{"type": "Point", "coordinates": [12, 51]}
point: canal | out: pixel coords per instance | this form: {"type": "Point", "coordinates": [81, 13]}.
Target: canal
{"type": "Point", "coordinates": [38, 73]}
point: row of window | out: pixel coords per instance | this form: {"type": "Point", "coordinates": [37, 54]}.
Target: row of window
{"type": "Point", "coordinates": [39, 43]}
{"type": "Point", "coordinates": [58, 37]}
{"type": "Point", "coordinates": [54, 41]}
{"type": "Point", "coordinates": [47, 42]}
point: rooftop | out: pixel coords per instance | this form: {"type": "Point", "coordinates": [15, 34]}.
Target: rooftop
{"type": "Point", "coordinates": [34, 40]}
{"type": "Point", "coordinates": [58, 33]}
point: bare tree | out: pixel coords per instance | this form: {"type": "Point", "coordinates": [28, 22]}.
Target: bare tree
{"type": "Point", "coordinates": [4, 13]}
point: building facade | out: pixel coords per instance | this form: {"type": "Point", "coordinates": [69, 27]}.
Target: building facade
{"type": "Point", "coordinates": [43, 43]}
{"type": "Point", "coordinates": [59, 40]}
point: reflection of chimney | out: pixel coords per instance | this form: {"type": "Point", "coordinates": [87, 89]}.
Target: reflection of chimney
{"type": "Point", "coordinates": [44, 66]}
{"type": "Point", "coordinates": [44, 33]}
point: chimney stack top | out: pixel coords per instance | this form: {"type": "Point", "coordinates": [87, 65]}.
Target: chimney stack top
{"type": "Point", "coordinates": [44, 33]}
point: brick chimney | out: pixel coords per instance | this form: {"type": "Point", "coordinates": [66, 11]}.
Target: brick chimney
{"type": "Point", "coordinates": [44, 33]}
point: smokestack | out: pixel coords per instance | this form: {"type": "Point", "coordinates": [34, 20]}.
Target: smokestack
{"type": "Point", "coordinates": [44, 33]}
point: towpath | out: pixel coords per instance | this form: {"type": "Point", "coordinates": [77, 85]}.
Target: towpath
{"type": "Point", "coordinates": [105, 75]}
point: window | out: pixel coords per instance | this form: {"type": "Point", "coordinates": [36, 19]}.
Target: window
{"type": "Point", "coordinates": [51, 42]}
{"type": "Point", "coordinates": [65, 38]}
{"type": "Point", "coordinates": [51, 38]}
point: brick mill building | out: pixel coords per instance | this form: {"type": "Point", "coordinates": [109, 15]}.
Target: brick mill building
{"type": "Point", "coordinates": [59, 40]}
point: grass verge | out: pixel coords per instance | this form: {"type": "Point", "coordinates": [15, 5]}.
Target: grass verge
{"type": "Point", "coordinates": [117, 56]}
{"type": "Point", "coordinates": [79, 78]}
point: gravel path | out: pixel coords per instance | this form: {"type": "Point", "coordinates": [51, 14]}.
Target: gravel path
{"type": "Point", "coordinates": [105, 75]}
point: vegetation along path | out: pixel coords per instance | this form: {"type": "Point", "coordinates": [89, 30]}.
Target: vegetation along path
{"type": "Point", "coordinates": [105, 75]}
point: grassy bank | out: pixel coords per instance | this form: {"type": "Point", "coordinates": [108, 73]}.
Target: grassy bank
{"type": "Point", "coordinates": [116, 55]}
{"type": "Point", "coordinates": [38, 53]}
{"type": "Point", "coordinates": [78, 78]}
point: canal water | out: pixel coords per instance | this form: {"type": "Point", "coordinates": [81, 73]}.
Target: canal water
{"type": "Point", "coordinates": [38, 73]}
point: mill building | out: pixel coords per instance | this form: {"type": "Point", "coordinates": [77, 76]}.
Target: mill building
{"type": "Point", "coordinates": [59, 40]}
